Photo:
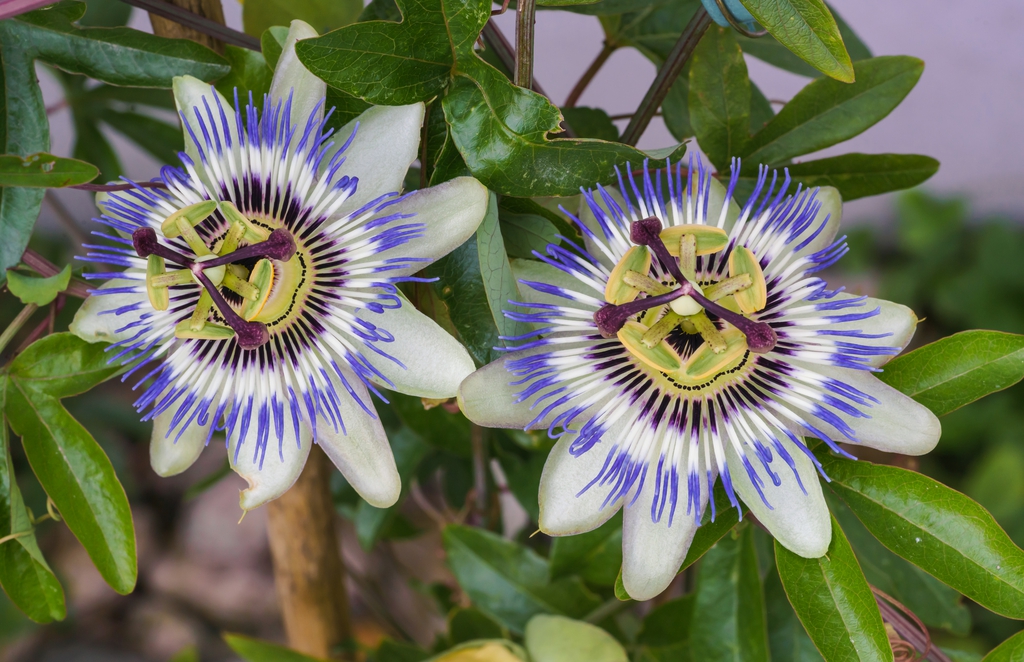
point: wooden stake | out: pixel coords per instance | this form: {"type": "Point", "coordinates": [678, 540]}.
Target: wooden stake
{"type": "Point", "coordinates": [308, 569]}
{"type": "Point", "coordinates": [211, 9]}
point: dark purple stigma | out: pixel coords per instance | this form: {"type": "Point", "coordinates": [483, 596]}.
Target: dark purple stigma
{"type": "Point", "coordinates": [146, 243]}
{"type": "Point", "coordinates": [611, 318]}
{"type": "Point", "coordinates": [280, 245]}
{"type": "Point", "coordinates": [248, 335]}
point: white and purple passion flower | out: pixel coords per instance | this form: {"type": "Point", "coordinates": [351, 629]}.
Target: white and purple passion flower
{"type": "Point", "coordinates": [689, 340]}
{"type": "Point", "coordinates": [258, 295]}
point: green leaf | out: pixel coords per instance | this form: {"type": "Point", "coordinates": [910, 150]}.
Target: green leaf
{"type": "Point", "coordinates": [665, 633]}
{"type": "Point", "coordinates": [806, 27]}
{"type": "Point", "coordinates": [393, 651]}
{"type": "Point", "coordinates": [768, 49]}
{"type": "Point", "coordinates": [935, 604]}
{"type": "Point", "coordinates": [499, 284]}
{"type": "Point", "coordinates": [959, 369]}
{"type": "Point", "coordinates": [760, 109]}
{"type": "Point", "coordinates": [70, 465]}
{"type": "Point", "coordinates": [39, 291]}
{"type": "Point", "coordinates": [936, 528]}
{"type": "Point", "coordinates": [439, 428]}
{"type": "Point", "coordinates": [164, 141]}
{"type": "Point", "coordinates": [590, 123]}
{"type": "Point", "coordinates": [398, 63]}
{"type": "Point", "coordinates": [728, 621]}
{"type": "Point", "coordinates": [249, 73]}
{"type": "Point", "coordinates": [469, 624]}
{"type": "Point", "coordinates": [509, 582]}
{"type": "Point", "coordinates": [863, 175]}
{"type": "Point", "coordinates": [827, 112]}
{"type": "Point", "coordinates": [501, 131]}
{"type": "Point", "coordinates": [675, 109]}
{"type": "Point", "coordinates": [1011, 650]}
{"type": "Point", "coordinates": [525, 233]}
{"type": "Point", "coordinates": [121, 56]}
{"type": "Point", "coordinates": [272, 44]}
{"type": "Point", "coordinates": [834, 602]}
{"type": "Point", "coordinates": [596, 556]}
{"type": "Point", "coordinates": [561, 639]}
{"type": "Point", "coordinates": [323, 15]}
{"type": "Point", "coordinates": [24, 574]}
{"type": "Point", "coordinates": [254, 650]}
{"type": "Point", "coordinates": [92, 146]}
{"type": "Point", "coordinates": [719, 96]}
{"type": "Point", "coordinates": [44, 170]}
{"type": "Point", "coordinates": [652, 29]}
{"type": "Point", "coordinates": [603, 7]}
{"type": "Point", "coordinates": [787, 638]}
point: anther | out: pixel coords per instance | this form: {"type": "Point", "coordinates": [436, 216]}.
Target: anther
{"type": "Point", "coordinates": [146, 243]}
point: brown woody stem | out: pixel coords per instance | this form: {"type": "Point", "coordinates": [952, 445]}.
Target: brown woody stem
{"type": "Point", "coordinates": [588, 75]}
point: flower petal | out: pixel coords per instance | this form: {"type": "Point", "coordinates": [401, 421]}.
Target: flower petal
{"type": "Point", "coordinates": [652, 552]}
{"type": "Point", "coordinates": [192, 97]}
{"type": "Point", "coordinates": [104, 317]}
{"type": "Point", "coordinates": [895, 423]}
{"type": "Point", "coordinates": [831, 208]}
{"type": "Point", "coordinates": [540, 272]}
{"type": "Point", "coordinates": [169, 455]}
{"type": "Point", "coordinates": [450, 213]}
{"type": "Point", "coordinates": [433, 363]}
{"type": "Point", "coordinates": [384, 147]}
{"type": "Point", "coordinates": [799, 521]}
{"type": "Point", "coordinates": [564, 510]}
{"type": "Point", "coordinates": [282, 462]}
{"type": "Point", "coordinates": [292, 78]}
{"type": "Point", "coordinates": [360, 451]}
{"type": "Point", "coordinates": [894, 323]}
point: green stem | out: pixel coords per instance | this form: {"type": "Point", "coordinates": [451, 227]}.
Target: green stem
{"type": "Point", "coordinates": [667, 75]}
{"type": "Point", "coordinates": [607, 609]}
{"type": "Point", "coordinates": [8, 335]}
{"type": "Point", "coordinates": [526, 18]}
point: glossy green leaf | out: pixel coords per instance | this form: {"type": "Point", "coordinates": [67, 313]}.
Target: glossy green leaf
{"type": "Point", "coordinates": [862, 175]}
{"type": "Point", "coordinates": [596, 555]}
{"type": "Point", "coordinates": [590, 123]}
{"type": "Point", "coordinates": [438, 427]}
{"type": "Point", "coordinates": [605, 7]}
{"type": "Point", "coordinates": [719, 98]}
{"type": "Point", "coordinates": [499, 284]}
{"type": "Point", "coordinates": [44, 170]}
{"type": "Point", "coordinates": [560, 639]}
{"type": "Point", "coordinates": [526, 233]}
{"type": "Point", "coordinates": [936, 528]}
{"type": "Point", "coordinates": [509, 582]}
{"type": "Point", "coordinates": [272, 44]}
{"type": "Point", "coordinates": [806, 28]}
{"type": "Point", "coordinates": [959, 369]}
{"type": "Point", "coordinates": [665, 633]}
{"type": "Point", "coordinates": [397, 63]}
{"type": "Point", "coordinates": [787, 639]}
{"type": "Point", "coordinates": [1011, 650]}
{"type": "Point", "coordinates": [39, 291]}
{"type": "Point", "coordinates": [827, 112]}
{"type": "Point", "coordinates": [767, 48]}
{"type": "Point", "coordinates": [121, 56]}
{"type": "Point", "coordinates": [249, 73]}
{"type": "Point", "coordinates": [832, 599]}
{"type": "Point", "coordinates": [70, 465]}
{"type": "Point", "coordinates": [728, 621]}
{"type": "Point", "coordinates": [24, 574]}
{"type": "Point", "coordinates": [346, 107]}
{"type": "Point", "coordinates": [761, 111]}
{"type": "Point", "coordinates": [501, 131]}
{"type": "Point", "coordinates": [652, 29]}
{"type": "Point", "coordinates": [933, 602]}
{"type": "Point", "coordinates": [323, 15]}
{"type": "Point", "coordinates": [254, 650]}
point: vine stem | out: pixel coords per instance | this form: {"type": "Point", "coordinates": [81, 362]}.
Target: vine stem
{"type": "Point", "coordinates": [667, 75]}
{"type": "Point", "coordinates": [199, 20]}
{"type": "Point", "coordinates": [308, 569]}
{"type": "Point", "coordinates": [45, 268]}
{"type": "Point", "coordinates": [588, 75]}
{"type": "Point", "coordinates": [12, 330]}
{"type": "Point", "coordinates": [526, 19]}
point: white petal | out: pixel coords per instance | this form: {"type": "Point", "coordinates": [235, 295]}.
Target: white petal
{"type": "Point", "coordinates": [652, 552]}
{"type": "Point", "coordinates": [562, 512]}
{"type": "Point", "coordinates": [450, 212]}
{"type": "Point", "coordinates": [897, 423]}
{"type": "Point", "coordinates": [281, 463]}
{"type": "Point", "coordinates": [96, 321]}
{"type": "Point", "coordinates": [434, 362]}
{"type": "Point", "coordinates": [361, 452]}
{"type": "Point", "coordinates": [172, 454]}
{"type": "Point", "coordinates": [192, 96]}
{"type": "Point", "coordinates": [832, 207]}
{"type": "Point", "coordinates": [896, 324]}
{"type": "Point", "coordinates": [385, 145]}
{"type": "Point", "coordinates": [292, 77]}
{"type": "Point", "coordinates": [800, 522]}
{"type": "Point", "coordinates": [488, 398]}
{"type": "Point", "coordinates": [534, 270]}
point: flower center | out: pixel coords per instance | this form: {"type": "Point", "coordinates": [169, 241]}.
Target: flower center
{"type": "Point", "coordinates": [213, 269]}
{"type": "Point", "coordinates": [643, 323]}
